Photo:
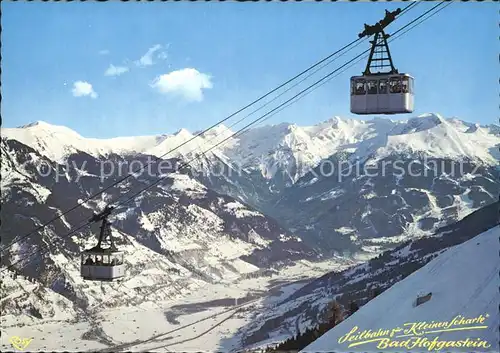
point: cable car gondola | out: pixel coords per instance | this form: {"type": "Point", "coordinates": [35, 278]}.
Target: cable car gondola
{"type": "Point", "coordinates": [99, 263]}
{"type": "Point", "coordinates": [378, 92]}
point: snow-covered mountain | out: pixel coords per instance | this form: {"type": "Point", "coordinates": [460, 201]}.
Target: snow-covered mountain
{"type": "Point", "coordinates": [275, 169]}
{"type": "Point", "coordinates": [365, 213]}
{"type": "Point", "coordinates": [463, 282]}
{"type": "Point", "coordinates": [286, 148]}
{"type": "Point", "coordinates": [59, 142]}
{"type": "Point", "coordinates": [22, 295]}
{"type": "Point", "coordinates": [385, 181]}
{"type": "Point", "coordinates": [176, 236]}
{"type": "Point", "coordinates": [246, 209]}
{"type": "Point", "coordinates": [346, 186]}
{"type": "Point", "coordinates": [305, 308]}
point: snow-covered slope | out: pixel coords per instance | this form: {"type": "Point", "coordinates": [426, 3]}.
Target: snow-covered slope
{"type": "Point", "coordinates": [439, 138]}
{"type": "Point", "coordinates": [24, 296]}
{"type": "Point", "coordinates": [305, 308]}
{"type": "Point", "coordinates": [58, 142]}
{"type": "Point", "coordinates": [464, 283]}
{"type": "Point", "coordinates": [176, 235]}
{"type": "Point", "coordinates": [195, 229]}
{"type": "Point", "coordinates": [291, 173]}
{"type": "Point", "coordinates": [287, 148]}
{"type": "Point", "coordinates": [294, 150]}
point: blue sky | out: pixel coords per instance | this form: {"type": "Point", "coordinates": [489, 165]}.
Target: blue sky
{"type": "Point", "coordinates": [213, 58]}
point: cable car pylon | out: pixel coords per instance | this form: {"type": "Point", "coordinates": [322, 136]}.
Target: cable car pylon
{"type": "Point", "coordinates": [103, 217]}
{"type": "Point", "coordinates": [376, 91]}
{"type": "Point", "coordinates": [380, 42]}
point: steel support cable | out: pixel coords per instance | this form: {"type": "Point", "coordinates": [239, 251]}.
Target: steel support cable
{"type": "Point", "coordinates": [267, 115]}
{"type": "Point", "coordinates": [406, 9]}
{"type": "Point", "coordinates": [241, 130]}
{"type": "Point", "coordinates": [82, 202]}
{"type": "Point", "coordinates": [361, 58]}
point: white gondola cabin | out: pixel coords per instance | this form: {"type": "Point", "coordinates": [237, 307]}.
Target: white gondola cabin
{"type": "Point", "coordinates": [382, 94]}
{"type": "Point", "coordinates": [378, 92]}
{"type": "Point", "coordinates": [103, 264]}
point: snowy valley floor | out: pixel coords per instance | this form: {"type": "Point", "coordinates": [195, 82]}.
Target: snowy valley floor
{"type": "Point", "coordinates": [201, 321]}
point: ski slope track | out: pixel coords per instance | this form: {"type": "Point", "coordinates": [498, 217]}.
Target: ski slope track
{"type": "Point", "coordinates": [464, 282]}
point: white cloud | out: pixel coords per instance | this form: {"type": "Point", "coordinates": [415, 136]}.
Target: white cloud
{"type": "Point", "coordinates": [82, 89]}
{"type": "Point", "coordinates": [147, 59]}
{"type": "Point", "coordinates": [103, 52]}
{"type": "Point", "coordinates": [162, 55]}
{"type": "Point", "coordinates": [188, 83]}
{"type": "Point", "coordinates": [113, 70]}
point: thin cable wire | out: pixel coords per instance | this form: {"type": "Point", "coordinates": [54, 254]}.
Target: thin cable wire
{"type": "Point", "coordinates": [82, 202]}
{"type": "Point", "coordinates": [242, 130]}
{"type": "Point", "coordinates": [406, 9]}
{"type": "Point", "coordinates": [357, 61]}
{"type": "Point", "coordinates": [247, 126]}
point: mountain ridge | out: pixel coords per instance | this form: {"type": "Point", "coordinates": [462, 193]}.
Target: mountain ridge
{"type": "Point", "coordinates": [284, 134]}
{"type": "Point", "coordinates": [279, 171]}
